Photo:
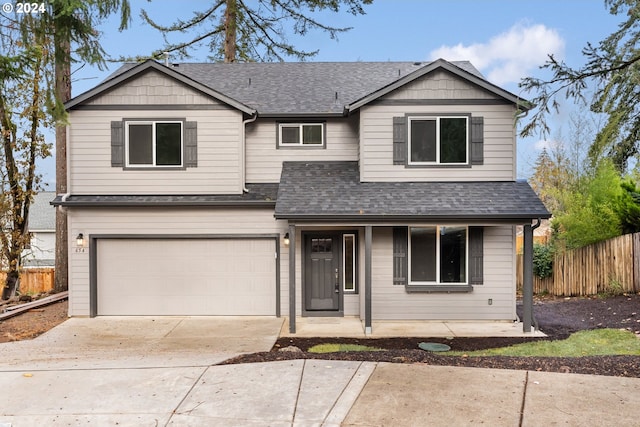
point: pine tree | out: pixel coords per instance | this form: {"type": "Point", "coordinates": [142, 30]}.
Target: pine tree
{"type": "Point", "coordinates": [235, 31]}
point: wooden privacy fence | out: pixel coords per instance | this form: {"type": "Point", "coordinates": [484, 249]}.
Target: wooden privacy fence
{"type": "Point", "coordinates": [608, 266]}
{"type": "Point", "coordinates": [33, 280]}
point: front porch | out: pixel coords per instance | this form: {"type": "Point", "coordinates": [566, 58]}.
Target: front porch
{"type": "Point", "coordinates": [354, 327]}
{"type": "Point", "coordinates": [423, 252]}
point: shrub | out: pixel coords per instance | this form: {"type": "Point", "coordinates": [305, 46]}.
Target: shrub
{"type": "Point", "coordinates": [542, 260]}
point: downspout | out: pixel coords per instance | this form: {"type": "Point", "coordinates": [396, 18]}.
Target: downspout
{"type": "Point", "coordinates": [68, 173]}
{"type": "Point", "coordinates": [243, 165]}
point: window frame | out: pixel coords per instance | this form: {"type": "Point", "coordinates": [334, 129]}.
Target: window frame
{"type": "Point", "coordinates": [153, 122]}
{"type": "Point", "coordinates": [354, 264]}
{"type": "Point", "coordinates": [437, 282]}
{"type": "Point", "coordinates": [437, 118]}
{"type": "Point", "coordinates": [300, 144]}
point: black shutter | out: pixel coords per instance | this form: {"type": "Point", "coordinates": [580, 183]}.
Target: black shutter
{"type": "Point", "coordinates": [477, 140]}
{"type": "Point", "coordinates": [117, 144]}
{"type": "Point", "coordinates": [476, 251]}
{"type": "Point", "coordinates": [399, 140]}
{"type": "Point", "coordinates": [400, 256]}
{"type": "Point", "coordinates": [191, 144]}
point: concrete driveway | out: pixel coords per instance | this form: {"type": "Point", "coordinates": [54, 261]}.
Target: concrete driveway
{"type": "Point", "coordinates": [161, 372]}
{"type": "Point", "coordinates": [141, 342]}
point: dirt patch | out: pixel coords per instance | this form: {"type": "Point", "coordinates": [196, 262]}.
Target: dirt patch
{"type": "Point", "coordinates": [556, 317]}
{"type": "Point", "coordinates": [35, 322]}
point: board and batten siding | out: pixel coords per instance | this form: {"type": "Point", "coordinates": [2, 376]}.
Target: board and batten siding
{"type": "Point", "coordinates": [392, 302]}
{"type": "Point", "coordinates": [264, 159]}
{"type": "Point", "coordinates": [157, 221]}
{"type": "Point", "coordinates": [219, 130]}
{"type": "Point", "coordinates": [376, 131]}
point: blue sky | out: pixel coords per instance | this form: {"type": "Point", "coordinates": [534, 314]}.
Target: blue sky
{"type": "Point", "coordinates": [506, 40]}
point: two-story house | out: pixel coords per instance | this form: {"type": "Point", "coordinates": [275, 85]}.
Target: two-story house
{"type": "Point", "coordinates": [377, 190]}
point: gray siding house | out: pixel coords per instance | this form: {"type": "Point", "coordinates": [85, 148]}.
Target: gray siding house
{"type": "Point", "coordinates": [42, 227]}
{"type": "Point", "coordinates": [376, 190]}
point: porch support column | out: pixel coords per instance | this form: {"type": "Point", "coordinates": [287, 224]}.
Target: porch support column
{"type": "Point", "coordinates": [367, 279]}
{"type": "Point", "coordinates": [292, 278]}
{"type": "Point", "coordinates": [527, 279]}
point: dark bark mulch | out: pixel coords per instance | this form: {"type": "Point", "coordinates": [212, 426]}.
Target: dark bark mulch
{"type": "Point", "coordinates": [556, 317]}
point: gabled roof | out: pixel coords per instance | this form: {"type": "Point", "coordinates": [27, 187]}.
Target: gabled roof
{"type": "Point", "coordinates": [299, 89]}
{"type": "Point", "coordinates": [452, 67]}
{"type": "Point", "coordinates": [333, 191]}
{"type": "Point", "coordinates": [135, 70]}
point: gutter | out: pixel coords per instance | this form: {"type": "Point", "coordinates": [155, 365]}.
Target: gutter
{"type": "Point", "coordinates": [333, 217]}
{"type": "Point", "coordinates": [179, 204]}
{"type": "Point", "coordinates": [243, 162]}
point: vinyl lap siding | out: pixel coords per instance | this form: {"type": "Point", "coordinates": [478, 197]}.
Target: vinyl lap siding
{"type": "Point", "coordinates": [218, 170]}
{"type": "Point", "coordinates": [264, 160]}
{"type": "Point", "coordinates": [376, 129]}
{"type": "Point", "coordinates": [377, 145]}
{"type": "Point", "coordinates": [164, 221]}
{"type": "Point", "coordinates": [392, 302]}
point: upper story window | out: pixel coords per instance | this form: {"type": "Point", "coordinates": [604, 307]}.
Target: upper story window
{"type": "Point", "coordinates": [438, 140]}
{"type": "Point", "coordinates": [154, 143]}
{"type": "Point", "coordinates": [301, 135]}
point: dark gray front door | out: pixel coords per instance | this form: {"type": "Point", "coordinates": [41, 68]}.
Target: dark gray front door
{"type": "Point", "coordinates": [322, 272]}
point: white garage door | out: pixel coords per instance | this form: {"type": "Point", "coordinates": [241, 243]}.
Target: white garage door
{"type": "Point", "coordinates": [186, 277]}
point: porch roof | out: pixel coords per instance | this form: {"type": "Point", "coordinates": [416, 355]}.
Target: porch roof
{"type": "Point", "coordinates": [333, 191]}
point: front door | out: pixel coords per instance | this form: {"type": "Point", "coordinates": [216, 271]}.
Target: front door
{"type": "Point", "coordinates": [322, 272]}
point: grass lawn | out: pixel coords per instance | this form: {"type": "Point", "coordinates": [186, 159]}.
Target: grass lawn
{"type": "Point", "coordinates": [597, 342]}
{"type": "Point", "coordinates": [334, 348]}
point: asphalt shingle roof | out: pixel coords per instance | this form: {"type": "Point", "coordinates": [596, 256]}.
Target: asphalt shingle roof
{"type": "Point", "coordinates": [258, 195]}
{"type": "Point", "coordinates": [333, 190]}
{"type": "Point", "coordinates": [277, 88]}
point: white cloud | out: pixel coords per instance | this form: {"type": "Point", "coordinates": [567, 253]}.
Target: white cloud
{"type": "Point", "coordinates": [549, 144]}
{"type": "Point", "coordinates": [510, 56]}
{"type": "Point", "coordinates": [542, 144]}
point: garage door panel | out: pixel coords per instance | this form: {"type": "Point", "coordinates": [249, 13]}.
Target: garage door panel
{"type": "Point", "coordinates": [186, 277]}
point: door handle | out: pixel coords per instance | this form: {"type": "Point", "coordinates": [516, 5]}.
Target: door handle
{"type": "Point", "coordinates": [337, 287]}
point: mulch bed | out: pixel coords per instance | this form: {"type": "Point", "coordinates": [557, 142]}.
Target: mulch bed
{"type": "Point", "coordinates": [557, 317]}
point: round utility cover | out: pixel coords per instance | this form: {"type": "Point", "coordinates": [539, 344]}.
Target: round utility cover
{"type": "Point", "coordinates": [433, 346]}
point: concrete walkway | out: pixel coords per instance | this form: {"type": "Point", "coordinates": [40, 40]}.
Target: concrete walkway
{"type": "Point", "coordinates": [315, 393]}
{"type": "Point", "coordinates": [353, 327]}
{"type": "Point", "coordinates": [163, 372]}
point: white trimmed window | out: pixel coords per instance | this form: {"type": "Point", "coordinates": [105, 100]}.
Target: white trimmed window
{"type": "Point", "coordinates": [154, 143]}
{"type": "Point", "coordinates": [300, 134]}
{"type": "Point", "coordinates": [438, 140]}
{"type": "Point", "coordinates": [349, 263]}
{"type": "Point", "coordinates": [438, 255]}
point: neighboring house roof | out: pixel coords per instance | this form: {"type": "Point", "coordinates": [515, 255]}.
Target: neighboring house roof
{"type": "Point", "coordinates": [263, 195]}
{"type": "Point", "coordinates": [38, 263]}
{"type": "Point", "coordinates": [298, 88]}
{"type": "Point", "coordinates": [332, 190]}
{"type": "Point", "coordinates": [42, 216]}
